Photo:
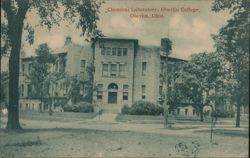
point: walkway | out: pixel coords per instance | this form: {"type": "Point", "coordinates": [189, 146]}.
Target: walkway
{"type": "Point", "coordinates": [105, 117]}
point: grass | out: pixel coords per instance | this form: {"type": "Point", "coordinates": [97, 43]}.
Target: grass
{"type": "Point", "coordinates": [95, 143]}
{"type": "Point", "coordinates": [229, 132]}
{"type": "Point", "coordinates": [144, 119]}
{"type": "Point", "coordinates": [56, 116]}
{"type": "Point", "coordinates": [26, 143]}
{"type": "Point", "coordinates": [157, 119]}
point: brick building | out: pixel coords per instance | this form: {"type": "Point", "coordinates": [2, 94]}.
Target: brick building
{"type": "Point", "coordinates": [125, 72]}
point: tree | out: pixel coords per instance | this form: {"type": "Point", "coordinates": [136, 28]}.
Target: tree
{"type": "Point", "coordinates": [199, 78]}
{"type": "Point", "coordinates": [4, 90]}
{"type": "Point", "coordinates": [166, 47]}
{"type": "Point", "coordinates": [176, 97]}
{"type": "Point", "coordinates": [40, 72]}
{"type": "Point", "coordinates": [232, 42]}
{"type": "Point", "coordinates": [76, 85]}
{"type": "Point", "coordinates": [84, 13]}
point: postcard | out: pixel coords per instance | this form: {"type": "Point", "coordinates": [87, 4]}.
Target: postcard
{"type": "Point", "coordinates": [124, 78]}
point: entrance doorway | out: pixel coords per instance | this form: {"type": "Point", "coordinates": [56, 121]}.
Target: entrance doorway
{"type": "Point", "coordinates": [112, 97]}
{"type": "Point", "coordinates": [112, 93]}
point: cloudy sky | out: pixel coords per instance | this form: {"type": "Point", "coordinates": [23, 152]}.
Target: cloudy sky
{"type": "Point", "coordinates": [189, 31]}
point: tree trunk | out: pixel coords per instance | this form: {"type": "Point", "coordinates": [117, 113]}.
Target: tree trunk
{"type": "Point", "coordinates": [167, 123]}
{"type": "Point", "coordinates": [201, 114]}
{"type": "Point", "coordinates": [14, 61]}
{"type": "Point", "coordinates": [238, 115]}
{"type": "Point", "coordinates": [15, 30]}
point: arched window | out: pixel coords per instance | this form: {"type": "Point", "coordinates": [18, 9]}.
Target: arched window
{"type": "Point", "coordinates": [112, 86]}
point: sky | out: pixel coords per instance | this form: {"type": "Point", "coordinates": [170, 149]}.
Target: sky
{"type": "Point", "coordinates": [189, 31]}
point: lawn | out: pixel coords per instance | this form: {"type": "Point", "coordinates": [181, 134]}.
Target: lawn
{"type": "Point", "coordinates": [77, 142]}
{"type": "Point", "coordinates": [56, 116]}
{"type": "Point", "coordinates": [61, 136]}
{"type": "Point", "coordinates": [178, 119]}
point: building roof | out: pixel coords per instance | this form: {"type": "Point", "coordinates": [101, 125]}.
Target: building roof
{"type": "Point", "coordinates": [119, 39]}
{"type": "Point", "coordinates": [157, 50]}
{"type": "Point", "coordinates": [62, 53]}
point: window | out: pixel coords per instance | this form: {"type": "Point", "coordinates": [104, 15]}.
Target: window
{"type": "Point", "coordinates": [169, 111]}
{"type": "Point", "coordinates": [56, 66]}
{"type": "Point", "coordinates": [99, 91]}
{"type": "Point", "coordinates": [29, 68]}
{"type": "Point", "coordinates": [82, 89]}
{"type": "Point", "coordinates": [186, 111]}
{"type": "Point", "coordinates": [23, 69]}
{"type": "Point", "coordinates": [20, 106]}
{"type": "Point", "coordinates": [122, 69]}
{"type": "Point", "coordinates": [162, 68]}
{"type": "Point", "coordinates": [144, 65]}
{"type": "Point", "coordinates": [114, 51]}
{"type": "Point", "coordinates": [103, 51]}
{"type": "Point", "coordinates": [22, 90]}
{"type": "Point", "coordinates": [178, 111]}
{"type": "Point", "coordinates": [105, 69]}
{"type": "Point", "coordinates": [125, 92]}
{"type": "Point", "coordinates": [119, 52]}
{"type": "Point", "coordinates": [125, 95]}
{"type": "Point", "coordinates": [194, 112]}
{"type": "Point", "coordinates": [64, 65]}
{"type": "Point", "coordinates": [160, 90]}
{"type": "Point", "coordinates": [64, 89]}
{"type": "Point", "coordinates": [81, 73]}
{"type": "Point", "coordinates": [125, 87]}
{"type": "Point", "coordinates": [170, 67]}
{"type": "Point", "coordinates": [83, 63]}
{"type": "Point", "coordinates": [56, 89]}
{"type": "Point", "coordinates": [143, 90]}
{"type": "Point", "coordinates": [108, 51]}
{"type": "Point", "coordinates": [125, 51]}
{"type": "Point", "coordinates": [113, 70]}
{"type": "Point", "coordinates": [208, 112]}
{"type": "Point", "coordinates": [29, 90]}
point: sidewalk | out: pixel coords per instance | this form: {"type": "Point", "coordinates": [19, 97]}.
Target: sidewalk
{"type": "Point", "coordinates": [105, 117]}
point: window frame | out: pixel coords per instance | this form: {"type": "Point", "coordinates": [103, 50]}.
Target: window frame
{"type": "Point", "coordinates": [108, 51]}
{"type": "Point", "coordinates": [113, 73]}
{"type": "Point", "coordinates": [144, 68]}
{"type": "Point", "coordinates": [119, 51]}
{"type": "Point", "coordinates": [113, 52]}
{"type": "Point", "coordinates": [81, 63]}
{"type": "Point", "coordinates": [124, 53]}
{"type": "Point", "coordinates": [105, 70]}
{"type": "Point", "coordinates": [143, 91]}
{"type": "Point", "coordinates": [99, 94]}
{"type": "Point", "coordinates": [103, 51]}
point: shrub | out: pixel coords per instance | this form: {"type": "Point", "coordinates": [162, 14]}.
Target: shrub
{"type": "Point", "coordinates": [143, 108]}
{"type": "Point", "coordinates": [222, 113]}
{"type": "Point", "coordinates": [84, 107]}
{"type": "Point", "coordinates": [125, 109]}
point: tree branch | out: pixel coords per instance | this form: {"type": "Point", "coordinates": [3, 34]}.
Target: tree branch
{"type": "Point", "coordinates": [23, 6]}
{"type": "Point", "coordinates": [6, 6]}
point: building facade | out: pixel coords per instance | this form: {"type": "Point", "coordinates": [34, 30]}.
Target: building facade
{"type": "Point", "coordinates": [124, 72]}
{"type": "Point", "coordinates": [71, 59]}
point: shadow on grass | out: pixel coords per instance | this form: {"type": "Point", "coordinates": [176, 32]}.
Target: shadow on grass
{"type": "Point", "coordinates": [27, 143]}
{"type": "Point", "coordinates": [67, 130]}
{"type": "Point", "coordinates": [226, 132]}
